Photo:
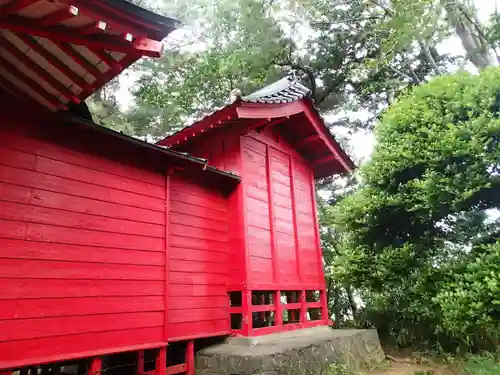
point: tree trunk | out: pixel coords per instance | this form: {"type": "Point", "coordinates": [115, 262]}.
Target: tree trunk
{"type": "Point", "coordinates": [469, 30]}
{"type": "Point", "coordinates": [352, 302]}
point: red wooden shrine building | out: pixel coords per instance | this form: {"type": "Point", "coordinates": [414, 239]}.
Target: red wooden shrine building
{"type": "Point", "coordinates": [112, 249]}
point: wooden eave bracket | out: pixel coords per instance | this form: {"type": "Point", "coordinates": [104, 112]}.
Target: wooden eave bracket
{"type": "Point", "coordinates": [140, 46]}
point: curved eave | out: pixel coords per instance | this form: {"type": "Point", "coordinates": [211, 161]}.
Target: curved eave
{"type": "Point", "coordinates": [322, 150]}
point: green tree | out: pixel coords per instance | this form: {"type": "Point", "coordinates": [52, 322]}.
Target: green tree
{"type": "Point", "coordinates": [420, 216]}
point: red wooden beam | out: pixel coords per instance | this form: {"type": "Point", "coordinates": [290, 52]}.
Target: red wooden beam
{"type": "Point", "coordinates": [58, 16]}
{"type": "Point", "coordinates": [42, 73]}
{"type": "Point", "coordinates": [261, 308]}
{"type": "Point", "coordinates": [177, 369]}
{"type": "Point", "coordinates": [31, 83]}
{"type": "Point", "coordinates": [55, 62]}
{"type": "Point", "coordinates": [143, 46]}
{"type": "Point", "coordinates": [15, 6]}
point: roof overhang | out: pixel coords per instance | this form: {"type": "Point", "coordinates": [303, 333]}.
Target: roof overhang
{"type": "Point", "coordinates": [318, 145]}
{"type": "Point", "coordinates": [57, 52]}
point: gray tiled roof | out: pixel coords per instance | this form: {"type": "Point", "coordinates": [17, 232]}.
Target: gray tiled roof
{"type": "Point", "coordinates": [285, 90]}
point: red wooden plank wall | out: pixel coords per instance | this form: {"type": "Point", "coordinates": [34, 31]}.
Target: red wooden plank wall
{"type": "Point", "coordinates": [198, 261]}
{"type": "Point", "coordinates": [260, 250]}
{"type": "Point", "coordinates": [283, 250]}
{"type": "Point", "coordinates": [82, 252]}
{"type": "Point", "coordinates": [310, 255]}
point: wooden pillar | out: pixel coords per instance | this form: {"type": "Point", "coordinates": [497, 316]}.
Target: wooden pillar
{"type": "Point", "coordinates": [95, 366]}
{"type": "Point", "coordinates": [161, 362]}
{"type": "Point", "coordinates": [190, 367]}
{"type": "Point", "coordinates": [246, 310]}
{"type": "Point", "coordinates": [167, 260]}
{"type": "Point", "coordinates": [140, 363]}
{"type": "Point", "coordinates": [303, 306]}
{"type": "Point", "coordinates": [24, 371]}
{"type": "Point", "coordinates": [324, 306]}
{"type": "Point", "coordinates": [278, 309]}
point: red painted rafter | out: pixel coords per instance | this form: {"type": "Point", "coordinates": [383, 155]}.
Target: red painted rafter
{"type": "Point", "coordinates": [78, 58]}
{"type": "Point", "coordinates": [107, 58]}
{"type": "Point", "coordinates": [58, 16]}
{"type": "Point", "coordinates": [55, 62]}
{"type": "Point", "coordinates": [42, 73]}
{"type": "Point", "coordinates": [143, 46]}
{"type": "Point", "coordinates": [31, 83]}
{"type": "Point", "coordinates": [15, 6]}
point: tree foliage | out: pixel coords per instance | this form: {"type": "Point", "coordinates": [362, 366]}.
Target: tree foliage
{"type": "Point", "coordinates": [414, 233]}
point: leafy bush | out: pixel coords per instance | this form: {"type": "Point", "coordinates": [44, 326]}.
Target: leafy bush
{"type": "Point", "coordinates": [470, 302]}
{"type": "Point", "coordinates": [417, 237]}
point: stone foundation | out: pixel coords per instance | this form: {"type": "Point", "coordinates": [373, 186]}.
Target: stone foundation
{"type": "Point", "coordinates": [310, 351]}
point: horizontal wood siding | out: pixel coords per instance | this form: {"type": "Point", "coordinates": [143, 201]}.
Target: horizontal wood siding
{"type": "Point", "coordinates": [198, 261]}
{"type": "Point", "coordinates": [82, 250]}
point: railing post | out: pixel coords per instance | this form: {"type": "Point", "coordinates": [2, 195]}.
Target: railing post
{"type": "Point", "coordinates": [95, 366]}
{"type": "Point", "coordinates": [190, 358]}
{"type": "Point", "coordinates": [278, 309]}
{"type": "Point", "coordinates": [246, 312]}
{"type": "Point", "coordinates": [161, 362]}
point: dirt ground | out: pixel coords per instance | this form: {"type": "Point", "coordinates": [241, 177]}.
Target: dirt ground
{"type": "Point", "coordinates": [396, 368]}
{"type": "Point", "coordinates": [404, 363]}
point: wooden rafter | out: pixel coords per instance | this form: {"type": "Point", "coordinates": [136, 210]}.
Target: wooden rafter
{"type": "Point", "coordinates": [59, 16]}
{"type": "Point", "coordinates": [55, 62]}
{"type": "Point", "coordinates": [15, 6]}
{"type": "Point", "coordinates": [31, 83]}
{"type": "Point", "coordinates": [78, 58]}
{"type": "Point", "coordinates": [107, 58]}
{"type": "Point", "coordinates": [142, 46]}
{"type": "Point", "coordinates": [42, 73]}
